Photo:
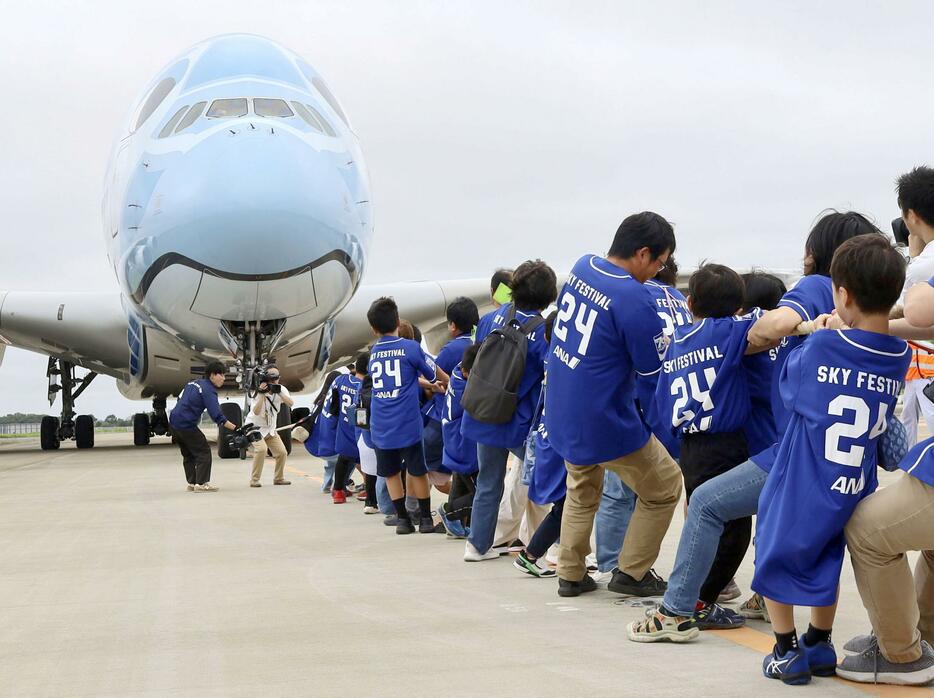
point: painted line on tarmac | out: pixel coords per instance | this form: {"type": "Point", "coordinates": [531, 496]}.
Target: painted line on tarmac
{"type": "Point", "coordinates": [316, 478]}
{"type": "Point", "coordinates": [762, 642]}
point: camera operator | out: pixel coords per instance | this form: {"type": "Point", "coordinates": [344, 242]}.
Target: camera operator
{"type": "Point", "coordinates": [198, 396]}
{"type": "Point", "coordinates": [269, 400]}
{"type": "Point", "coordinates": [916, 201]}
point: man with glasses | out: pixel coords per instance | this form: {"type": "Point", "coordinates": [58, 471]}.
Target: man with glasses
{"type": "Point", "coordinates": [264, 413]}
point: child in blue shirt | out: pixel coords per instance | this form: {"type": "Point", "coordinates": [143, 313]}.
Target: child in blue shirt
{"type": "Point", "coordinates": [462, 316]}
{"type": "Point", "coordinates": [703, 397]}
{"type": "Point", "coordinates": [345, 391]}
{"type": "Point", "coordinates": [838, 387]}
{"type": "Point", "coordinates": [460, 452]}
{"type": "Point", "coordinates": [399, 369]}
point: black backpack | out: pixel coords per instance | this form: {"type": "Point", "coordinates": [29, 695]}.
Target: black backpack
{"type": "Point", "coordinates": [492, 389]}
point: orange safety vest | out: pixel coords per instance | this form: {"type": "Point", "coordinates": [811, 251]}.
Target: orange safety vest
{"type": "Point", "coordinates": [922, 361]}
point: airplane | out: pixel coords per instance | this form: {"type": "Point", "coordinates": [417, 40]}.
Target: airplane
{"type": "Point", "coordinates": [238, 221]}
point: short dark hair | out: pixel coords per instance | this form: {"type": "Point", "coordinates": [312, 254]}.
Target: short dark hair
{"type": "Point", "coordinates": [214, 367]}
{"type": "Point", "coordinates": [534, 285]}
{"type": "Point", "coordinates": [640, 230]}
{"type": "Point", "coordinates": [416, 333]}
{"type": "Point", "coordinates": [916, 193]}
{"type": "Point", "coordinates": [716, 291]}
{"type": "Point", "coordinates": [470, 355]}
{"type": "Point", "coordinates": [383, 315]}
{"type": "Point", "coordinates": [871, 270]}
{"type": "Point", "coordinates": [831, 231]}
{"type": "Point", "coordinates": [762, 290]}
{"type": "Point", "coordinates": [668, 274]}
{"type": "Point", "coordinates": [463, 312]}
{"type": "Point", "coordinates": [500, 276]}
{"type": "Point", "coordinates": [362, 364]}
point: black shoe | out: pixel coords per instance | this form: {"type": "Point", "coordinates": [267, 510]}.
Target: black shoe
{"type": "Point", "coordinates": [391, 520]}
{"type": "Point", "coordinates": [569, 588]}
{"type": "Point", "coordinates": [426, 525]}
{"type": "Point", "coordinates": [650, 585]}
{"type": "Point", "coordinates": [405, 527]}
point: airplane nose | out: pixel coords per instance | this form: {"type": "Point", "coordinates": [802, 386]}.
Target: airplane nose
{"type": "Point", "coordinates": [258, 222]}
{"type": "Point", "coordinates": [256, 200]}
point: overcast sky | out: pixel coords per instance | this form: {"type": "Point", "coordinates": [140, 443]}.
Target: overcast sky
{"type": "Point", "coordinates": [493, 131]}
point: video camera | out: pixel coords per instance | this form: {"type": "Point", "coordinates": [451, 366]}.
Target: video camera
{"type": "Point", "coordinates": [257, 377]}
{"type": "Point", "coordinates": [241, 437]}
{"type": "Point", "coordinates": [900, 230]}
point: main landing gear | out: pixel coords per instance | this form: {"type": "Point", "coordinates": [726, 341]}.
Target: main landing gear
{"type": "Point", "coordinates": [54, 430]}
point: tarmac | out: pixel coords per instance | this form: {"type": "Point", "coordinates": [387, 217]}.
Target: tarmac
{"type": "Point", "coordinates": [114, 580]}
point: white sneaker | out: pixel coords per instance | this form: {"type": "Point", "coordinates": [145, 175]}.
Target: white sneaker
{"type": "Point", "coordinates": [551, 559]}
{"type": "Point", "coordinates": [206, 487]}
{"type": "Point", "coordinates": [370, 510]}
{"type": "Point", "coordinates": [191, 488]}
{"type": "Point", "coordinates": [471, 554]}
{"type": "Point", "coordinates": [602, 578]}
{"type": "Point", "coordinates": [591, 562]}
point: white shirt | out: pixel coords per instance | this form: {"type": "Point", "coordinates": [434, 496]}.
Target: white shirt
{"type": "Point", "coordinates": [266, 419]}
{"type": "Point", "coordinates": [920, 269]}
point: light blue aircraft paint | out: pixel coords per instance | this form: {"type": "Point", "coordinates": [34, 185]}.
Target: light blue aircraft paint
{"type": "Point", "coordinates": [237, 193]}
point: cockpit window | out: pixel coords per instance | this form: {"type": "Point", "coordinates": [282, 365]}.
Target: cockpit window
{"type": "Point", "coordinates": [328, 129]}
{"type": "Point", "coordinates": [173, 122]}
{"type": "Point", "coordinates": [329, 98]}
{"type": "Point", "coordinates": [271, 107]}
{"type": "Point", "coordinates": [159, 93]}
{"type": "Point", "coordinates": [191, 116]}
{"type": "Point", "coordinates": [308, 117]}
{"type": "Point", "coordinates": [228, 108]}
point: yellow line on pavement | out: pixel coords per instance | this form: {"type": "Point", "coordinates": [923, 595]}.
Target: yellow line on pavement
{"type": "Point", "coordinates": [316, 478]}
{"type": "Point", "coordinates": [762, 642]}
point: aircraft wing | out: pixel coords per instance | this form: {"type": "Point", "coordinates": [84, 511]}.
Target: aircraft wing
{"type": "Point", "coordinates": [422, 303]}
{"type": "Point", "coordinates": [86, 329]}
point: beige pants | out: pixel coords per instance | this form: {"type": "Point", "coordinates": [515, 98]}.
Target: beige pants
{"type": "Point", "coordinates": [277, 449]}
{"type": "Point", "coordinates": [655, 478]}
{"type": "Point", "coordinates": [886, 525]}
{"type": "Point", "coordinates": [518, 517]}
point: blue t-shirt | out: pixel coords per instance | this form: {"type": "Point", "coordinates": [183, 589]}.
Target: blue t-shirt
{"type": "Point", "coordinates": [839, 388]}
{"type": "Point", "coordinates": [810, 297]}
{"type": "Point", "coordinates": [345, 442]}
{"type": "Point", "coordinates": [606, 331]}
{"type": "Point", "coordinates": [321, 441]}
{"type": "Point", "coordinates": [670, 304]}
{"type": "Point", "coordinates": [549, 474]}
{"type": "Point", "coordinates": [449, 356]}
{"type": "Point", "coordinates": [702, 386]}
{"type": "Point", "coordinates": [760, 427]}
{"type": "Point", "coordinates": [485, 324]}
{"type": "Point", "coordinates": [395, 415]}
{"type": "Point", "coordinates": [198, 396]}
{"type": "Point", "coordinates": [512, 434]}
{"type": "Point", "coordinates": [460, 453]}
{"type": "Point", "coordinates": [919, 461]}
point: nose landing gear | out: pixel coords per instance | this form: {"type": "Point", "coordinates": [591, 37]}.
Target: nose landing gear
{"type": "Point", "coordinates": [155, 423]}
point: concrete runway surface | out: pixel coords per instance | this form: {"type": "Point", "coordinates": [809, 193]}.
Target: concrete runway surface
{"type": "Point", "coordinates": [116, 581]}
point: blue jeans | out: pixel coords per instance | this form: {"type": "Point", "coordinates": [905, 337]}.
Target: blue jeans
{"type": "Point", "coordinates": [729, 496]}
{"type": "Point", "coordinates": [612, 520]}
{"type": "Point", "coordinates": [382, 497]}
{"type": "Point", "coordinates": [329, 464]}
{"type": "Point", "coordinates": [490, 485]}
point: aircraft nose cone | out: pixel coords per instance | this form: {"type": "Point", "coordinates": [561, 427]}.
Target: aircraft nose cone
{"type": "Point", "coordinates": [253, 199]}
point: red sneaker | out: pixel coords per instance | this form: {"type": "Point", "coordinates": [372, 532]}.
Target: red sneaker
{"type": "Point", "coordinates": [361, 495]}
{"type": "Point", "coordinates": [338, 497]}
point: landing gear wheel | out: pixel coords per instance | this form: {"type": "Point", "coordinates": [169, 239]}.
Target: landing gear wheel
{"type": "Point", "coordinates": [234, 413]}
{"type": "Point", "coordinates": [140, 429]}
{"type": "Point", "coordinates": [285, 417]}
{"type": "Point", "coordinates": [84, 431]}
{"type": "Point", "coordinates": [48, 433]}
